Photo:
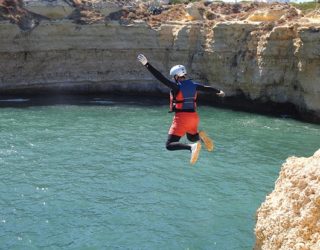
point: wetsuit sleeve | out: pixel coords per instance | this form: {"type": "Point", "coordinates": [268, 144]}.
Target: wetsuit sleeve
{"type": "Point", "coordinates": [207, 89]}
{"type": "Point", "coordinates": [170, 84]}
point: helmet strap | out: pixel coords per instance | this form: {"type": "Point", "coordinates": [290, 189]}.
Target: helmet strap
{"type": "Point", "coordinates": [176, 78]}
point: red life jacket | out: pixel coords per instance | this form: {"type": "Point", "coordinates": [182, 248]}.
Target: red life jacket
{"type": "Point", "coordinates": [185, 99]}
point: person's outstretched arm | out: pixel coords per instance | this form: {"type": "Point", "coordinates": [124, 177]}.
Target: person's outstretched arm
{"type": "Point", "coordinates": [210, 89]}
{"type": "Point", "coordinates": [170, 84]}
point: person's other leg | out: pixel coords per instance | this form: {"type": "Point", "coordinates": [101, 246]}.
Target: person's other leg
{"type": "Point", "coordinates": [194, 135]}
{"type": "Point", "coordinates": [208, 142]}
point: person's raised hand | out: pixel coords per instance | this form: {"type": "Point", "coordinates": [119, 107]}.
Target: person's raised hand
{"type": "Point", "coordinates": [221, 94]}
{"type": "Point", "coordinates": [141, 58]}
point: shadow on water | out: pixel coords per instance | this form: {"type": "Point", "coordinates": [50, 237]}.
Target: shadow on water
{"type": "Point", "coordinates": [25, 101]}
{"type": "Point", "coordinates": [235, 103]}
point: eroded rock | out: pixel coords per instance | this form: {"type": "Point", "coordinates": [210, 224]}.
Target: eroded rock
{"type": "Point", "coordinates": [290, 216]}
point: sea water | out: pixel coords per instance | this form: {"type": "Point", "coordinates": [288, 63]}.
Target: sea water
{"type": "Point", "coordinates": [98, 176]}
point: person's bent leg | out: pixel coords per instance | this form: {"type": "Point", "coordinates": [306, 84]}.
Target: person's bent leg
{"type": "Point", "coordinates": [174, 144]}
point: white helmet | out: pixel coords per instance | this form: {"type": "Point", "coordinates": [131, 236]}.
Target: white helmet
{"type": "Point", "coordinates": [178, 70]}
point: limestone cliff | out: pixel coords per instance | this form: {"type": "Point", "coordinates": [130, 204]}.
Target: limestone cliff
{"type": "Point", "coordinates": [80, 49]}
{"type": "Point", "coordinates": [290, 216]}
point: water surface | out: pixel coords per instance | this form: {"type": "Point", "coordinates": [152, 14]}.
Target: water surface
{"type": "Point", "coordinates": [99, 177]}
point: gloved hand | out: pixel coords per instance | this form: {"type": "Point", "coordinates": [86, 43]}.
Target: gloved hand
{"type": "Point", "coordinates": [221, 94]}
{"type": "Point", "coordinates": [142, 59]}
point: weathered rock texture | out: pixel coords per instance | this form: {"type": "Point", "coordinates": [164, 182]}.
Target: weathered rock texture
{"type": "Point", "coordinates": [290, 216]}
{"type": "Point", "coordinates": [261, 61]}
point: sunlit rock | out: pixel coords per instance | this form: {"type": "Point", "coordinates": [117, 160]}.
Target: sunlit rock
{"type": "Point", "coordinates": [289, 218]}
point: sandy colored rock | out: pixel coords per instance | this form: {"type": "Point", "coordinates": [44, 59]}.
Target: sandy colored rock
{"type": "Point", "coordinates": [195, 11]}
{"type": "Point", "coordinates": [263, 62]}
{"type": "Point", "coordinates": [275, 13]}
{"type": "Point", "coordinates": [290, 216]}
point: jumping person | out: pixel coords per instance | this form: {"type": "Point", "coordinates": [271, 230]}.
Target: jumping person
{"type": "Point", "coordinates": [183, 97]}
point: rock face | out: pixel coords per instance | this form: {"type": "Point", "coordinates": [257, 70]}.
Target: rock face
{"type": "Point", "coordinates": [258, 61]}
{"type": "Point", "coordinates": [55, 10]}
{"type": "Point", "coordinates": [290, 216]}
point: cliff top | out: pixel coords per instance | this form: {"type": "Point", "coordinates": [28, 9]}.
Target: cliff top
{"type": "Point", "coordinates": [27, 13]}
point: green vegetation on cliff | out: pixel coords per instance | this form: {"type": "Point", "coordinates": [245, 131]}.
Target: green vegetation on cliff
{"type": "Point", "coordinates": [307, 6]}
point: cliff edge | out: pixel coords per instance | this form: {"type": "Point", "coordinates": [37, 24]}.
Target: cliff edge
{"type": "Point", "coordinates": [259, 54]}
{"type": "Point", "coordinates": [290, 216]}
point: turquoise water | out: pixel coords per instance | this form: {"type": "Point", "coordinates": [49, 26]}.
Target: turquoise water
{"type": "Point", "coordinates": [99, 177]}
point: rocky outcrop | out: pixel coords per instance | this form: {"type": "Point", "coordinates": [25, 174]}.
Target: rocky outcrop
{"type": "Point", "coordinates": [227, 46]}
{"type": "Point", "coordinates": [290, 216]}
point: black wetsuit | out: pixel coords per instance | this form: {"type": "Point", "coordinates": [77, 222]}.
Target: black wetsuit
{"type": "Point", "coordinates": [173, 85]}
{"type": "Point", "coordinates": [173, 140]}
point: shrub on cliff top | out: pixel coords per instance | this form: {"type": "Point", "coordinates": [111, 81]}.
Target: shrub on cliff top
{"type": "Point", "coordinates": [307, 6]}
